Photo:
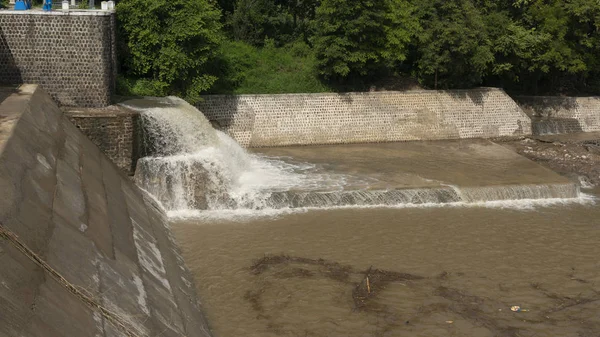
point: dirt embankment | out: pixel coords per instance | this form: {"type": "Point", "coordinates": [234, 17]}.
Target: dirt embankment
{"type": "Point", "coordinates": [576, 156]}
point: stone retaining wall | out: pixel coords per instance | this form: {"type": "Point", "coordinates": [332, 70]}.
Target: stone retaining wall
{"type": "Point", "coordinates": [115, 131]}
{"type": "Point", "coordinates": [554, 114]}
{"type": "Point", "coordinates": [71, 54]}
{"type": "Point", "coordinates": [83, 251]}
{"type": "Point", "coordinates": [302, 119]}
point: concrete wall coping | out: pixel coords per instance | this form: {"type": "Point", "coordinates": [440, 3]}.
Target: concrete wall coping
{"type": "Point", "coordinates": [78, 12]}
{"type": "Point", "coordinates": [365, 93]}
{"type": "Point", "coordinates": [555, 97]}
{"type": "Point", "coordinates": [109, 111]}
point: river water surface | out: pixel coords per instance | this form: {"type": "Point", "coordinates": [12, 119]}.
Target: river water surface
{"type": "Point", "coordinates": [432, 271]}
{"type": "Point", "coordinates": [461, 249]}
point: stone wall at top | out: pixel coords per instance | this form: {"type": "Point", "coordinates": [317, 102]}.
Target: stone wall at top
{"type": "Point", "coordinates": [72, 54]}
{"type": "Point", "coordinates": [332, 118]}
{"type": "Point", "coordinates": [560, 114]}
{"type": "Point", "coordinates": [83, 251]}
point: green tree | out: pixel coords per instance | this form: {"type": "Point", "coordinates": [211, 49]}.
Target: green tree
{"type": "Point", "coordinates": [303, 13]}
{"type": "Point", "coordinates": [570, 34]}
{"type": "Point", "coordinates": [253, 21]}
{"type": "Point", "coordinates": [358, 39]}
{"type": "Point", "coordinates": [546, 46]}
{"type": "Point", "coordinates": [227, 6]}
{"type": "Point", "coordinates": [284, 21]}
{"type": "Point", "coordinates": [170, 42]}
{"type": "Point", "coordinates": [453, 48]}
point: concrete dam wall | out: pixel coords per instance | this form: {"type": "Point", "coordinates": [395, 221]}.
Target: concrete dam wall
{"type": "Point", "coordinates": [555, 114]}
{"type": "Point", "coordinates": [83, 251]}
{"type": "Point", "coordinates": [303, 119]}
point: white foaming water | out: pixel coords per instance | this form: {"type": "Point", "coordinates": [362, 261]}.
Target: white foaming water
{"type": "Point", "coordinates": [196, 167]}
{"type": "Point", "coordinates": [585, 183]}
{"type": "Point", "coordinates": [246, 215]}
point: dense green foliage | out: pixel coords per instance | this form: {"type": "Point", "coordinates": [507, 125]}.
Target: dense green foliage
{"type": "Point", "coordinates": [274, 46]}
{"type": "Point", "coordinates": [246, 69]}
{"type": "Point", "coordinates": [361, 38]}
{"type": "Point", "coordinates": [168, 44]}
{"type": "Point", "coordinates": [452, 44]}
{"type": "Point", "coordinates": [283, 21]}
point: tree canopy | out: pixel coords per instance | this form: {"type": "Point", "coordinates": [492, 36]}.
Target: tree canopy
{"type": "Point", "coordinates": [170, 43]}
{"type": "Point", "coordinates": [361, 38]}
{"type": "Point", "coordinates": [529, 46]}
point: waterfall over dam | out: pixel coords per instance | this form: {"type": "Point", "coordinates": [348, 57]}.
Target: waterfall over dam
{"type": "Point", "coordinates": [192, 166]}
{"type": "Point", "coordinates": [195, 166]}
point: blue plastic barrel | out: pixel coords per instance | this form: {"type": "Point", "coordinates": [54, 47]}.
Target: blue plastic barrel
{"type": "Point", "coordinates": [22, 5]}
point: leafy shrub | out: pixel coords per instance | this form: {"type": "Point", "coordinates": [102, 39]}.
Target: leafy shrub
{"type": "Point", "coordinates": [140, 87]}
{"type": "Point", "coordinates": [359, 38]}
{"type": "Point", "coordinates": [246, 69]}
{"type": "Point", "coordinates": [169, 44]}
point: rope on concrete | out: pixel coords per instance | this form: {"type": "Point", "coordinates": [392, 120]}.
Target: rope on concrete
{"type": "Point", "coordinates": [88, 300]}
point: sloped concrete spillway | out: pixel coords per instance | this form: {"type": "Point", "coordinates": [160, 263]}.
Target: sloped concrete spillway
{"type": "Point", "coordinates": [197, 167]}
{"type": "Point", "coordinates": [83, 251]}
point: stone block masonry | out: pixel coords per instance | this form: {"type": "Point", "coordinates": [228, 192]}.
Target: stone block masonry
{"type": "Point", "coordinates": [83, 251]}
{"type": "Point", "coordinates": [304, 119]}
{"type": "Point", "coordinates": [115, 130]}
{"type": "Point", "coordinates": [560, 114]}
{"type": "Point", "coordinates": [71, 54]}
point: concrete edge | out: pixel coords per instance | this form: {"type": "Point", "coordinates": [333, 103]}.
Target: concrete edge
{"type": "Point", "coordinates": [364, 93]}
{"type": "Point", "coordinates": [59, 12]}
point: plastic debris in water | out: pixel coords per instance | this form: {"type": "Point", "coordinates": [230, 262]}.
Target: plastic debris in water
{"type": "Point", "coordinates": [517, 308]}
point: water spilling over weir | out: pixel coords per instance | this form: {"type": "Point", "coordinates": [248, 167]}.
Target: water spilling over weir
{"type": "Point", "coordinates": [195, 167]}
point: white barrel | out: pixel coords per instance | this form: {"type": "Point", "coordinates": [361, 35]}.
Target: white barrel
{"type": "Point", "coordinates": [104, 5]}
{"type": "Point", "coordinates": [111, 5]}
{"type": "Point", "coordinates": [65, 5]}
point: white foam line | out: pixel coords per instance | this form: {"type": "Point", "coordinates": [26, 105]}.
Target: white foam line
{"type": "Point", "coordinates": [249, 214]}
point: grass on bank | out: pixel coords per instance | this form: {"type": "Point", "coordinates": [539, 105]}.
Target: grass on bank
{"type": "Point", "coordinates": [268, 70]}
{"type": "Point", "coordinates": [244, 69]}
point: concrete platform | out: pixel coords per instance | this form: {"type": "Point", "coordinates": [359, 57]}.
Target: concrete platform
{"type": "Point", "coordinates": [476, 170]}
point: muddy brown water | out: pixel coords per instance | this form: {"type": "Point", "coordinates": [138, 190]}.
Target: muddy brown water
{"type": "Point", "coordinates": [449, 271]}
